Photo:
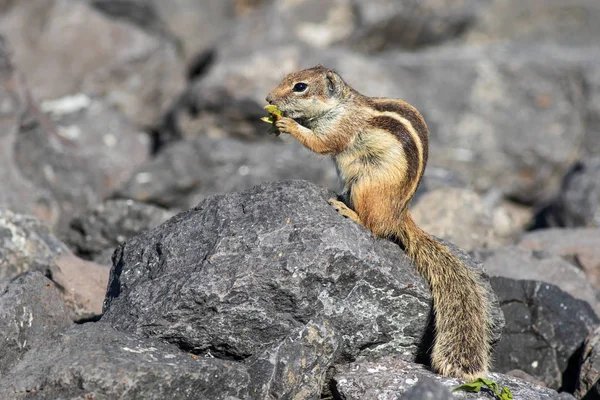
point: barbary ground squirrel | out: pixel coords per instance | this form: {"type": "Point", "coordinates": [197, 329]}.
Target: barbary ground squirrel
{"type": "Point", "coordinates": [380, 148]}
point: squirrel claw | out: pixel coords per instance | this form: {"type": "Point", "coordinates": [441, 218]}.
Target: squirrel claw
{"type": "Point", "coordinates": [344, 210]}
{"type": "Point", "coordinates": [285, 125]}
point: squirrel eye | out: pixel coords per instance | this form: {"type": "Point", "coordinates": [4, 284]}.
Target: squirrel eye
{"type": "Point", "coordinates": [300, 87]}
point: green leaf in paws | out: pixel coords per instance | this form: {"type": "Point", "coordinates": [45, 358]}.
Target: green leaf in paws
{"type": "Point", "coordinates": [274, 115]}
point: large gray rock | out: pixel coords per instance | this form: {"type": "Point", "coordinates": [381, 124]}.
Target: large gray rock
{"type": "Point", "coordinates": [392, 379]}
{"type": "Point", "coordinates": [57, 164]}
{"type": "Point", "coordinates": [27, 244]}
{"type": "Point", "coordinates": [95, 361]}
{"type": "Point", "coordinates": [101, 134]}
{"type": "Point", "coordinates": [580, 246]}
{"type": "Point", "coordinates": [95, 234]}
{"type": "Point", "coordinates": [262, 263]}
{"type": "Point", "coordinates": [38, 168]}
{"type": "Point", "coordinates": [31, 307]}
{"type": "Point", "coordinates": [545, 329]}
{"type": "Point", "coordinates": [187, 172]}
{"type": "Point", "coordinates": [519, 263]}
{"type": "Point", "coordinates": [79, 49]}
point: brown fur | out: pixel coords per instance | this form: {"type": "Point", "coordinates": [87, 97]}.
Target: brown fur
{"type": "Point", "coordinates": [380, 147]}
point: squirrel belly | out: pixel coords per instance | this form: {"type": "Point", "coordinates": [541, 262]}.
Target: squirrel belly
{"type": "Point", "coordinates": [380, 147]}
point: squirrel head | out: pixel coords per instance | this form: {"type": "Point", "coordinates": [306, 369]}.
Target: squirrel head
{"type": "Point", "coordinates": [308, 93]}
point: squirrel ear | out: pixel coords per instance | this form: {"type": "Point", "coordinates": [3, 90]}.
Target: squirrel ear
{"type": "Point", "coordinates": [334, 83]}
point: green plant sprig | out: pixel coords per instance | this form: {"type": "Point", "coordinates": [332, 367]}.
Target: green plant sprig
{"type": "Point", "coordinates": [476, 385]}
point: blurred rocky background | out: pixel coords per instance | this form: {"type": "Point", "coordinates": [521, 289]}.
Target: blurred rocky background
{"type": "Point", "coordinates": [118, 115]}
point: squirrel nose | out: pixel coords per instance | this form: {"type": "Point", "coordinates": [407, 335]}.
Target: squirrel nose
{"type": "Point", "coordinates": [269, 98]}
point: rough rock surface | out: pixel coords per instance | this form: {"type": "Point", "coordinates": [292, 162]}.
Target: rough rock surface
{"type": "Point", "coordinates": [26, 244]}
{"type": "Point", "coordinates": [389, 378]}
{"type": "Point", "coordinates": [185, 173]}
{"type": "Point", "coordinates": [95, 361]}
{"type": "Point", "coordinates": [296, 367]}
{"type": "Point", "coordinates": [95, 234]}
{"type": "Point", "coordinates": [137, 72]}
{"type": "Point", "coordinates": [427, 390]}
{"type": "Point", "coordinates": [545, 329]}
{"type": "Point", "coordinates": [588, 384]}
{"type": "Point", "coordinates": [580, 246]}
{"type": "Point", "coordinates": [519, 263]}
{"type": "Point", "coordinates": [262, 263]}
{"type": "Point", "coordinates": [31, 307]}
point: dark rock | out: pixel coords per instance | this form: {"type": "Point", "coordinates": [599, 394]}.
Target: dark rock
{"type": "Point", "coordinates": [102, 136]}
{"type": "Point", "coordinates": [26, 244]}
{"type": "Point", "coordinates": [262, 263]}
{"type": "Point", "coordinates": [519, 263]}
{"type": "Point", "coordinates": [96, 233]}
{"type": "Point", "coordinates": [137, 72]}
{"type": "Point", "coordinates": [390, 378]}
{"type": "Point", "coordinates": [412, 23]}
{"type": "Point", "coordinates": [95, 361]}
{"type": "Point", "coordinates": [296, 367]}
{"type": "Point", "coordinates": [212, 111]}
{"type": "Point", "coordinates": [198, 25]}
{"type": "Point", "coordinates": [31, 307]}
{"type": "Point", "coordinates": [588, 384]}
{"type": "Point", "coordinates": [185, 173]}
{"type": "Point", "coordinates": [195, 25]}
{"type": "Point", "coordinates": [580, 246]}
{"type": "Point", "coordinates": [142, 13]}
{"type": "Point", "coordinates": [578, 203]}
{"type": "Point", "coordinates": [545, 329]}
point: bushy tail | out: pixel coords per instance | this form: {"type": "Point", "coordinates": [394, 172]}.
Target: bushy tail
{"type": "Point", "coordinates": [461, 348]}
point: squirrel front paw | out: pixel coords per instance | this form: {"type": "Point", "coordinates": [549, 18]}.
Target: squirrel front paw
{"type": "Point", "coordinates": [286, 125]}
{"type": "Point", "coordinates": [344, 210]}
